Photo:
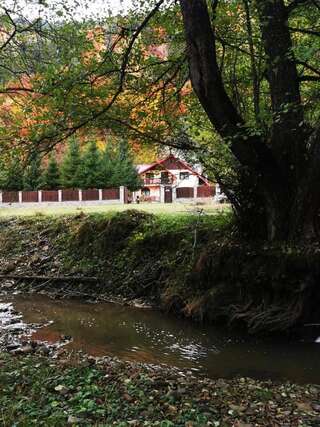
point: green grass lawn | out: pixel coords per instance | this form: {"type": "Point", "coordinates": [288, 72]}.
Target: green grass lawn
{"type": "Point", "coordinates": [156, 208]}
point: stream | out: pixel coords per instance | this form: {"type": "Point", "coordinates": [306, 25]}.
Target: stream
{"type": "Point", "coordinates": [147, 335]}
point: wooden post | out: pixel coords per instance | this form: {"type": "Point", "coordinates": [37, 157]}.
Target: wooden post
{"type": "Point", "coordinates": [59, 195]}
{"type": "Point", "coordinates": [20, 196]}
{"type": "Point", "coordinates": [1, 199]}
{"type": "Point", "coordinates": [39, 196]}
{"type": "Point", "coordinates": [100, 194]}
{"type": "Point", "coordinates": [80, 195]}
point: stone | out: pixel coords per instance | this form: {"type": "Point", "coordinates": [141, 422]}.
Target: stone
{"type": "Point", "coordinates": [73, 420]}
{"type": "Point", "coordinates": [61, 389]}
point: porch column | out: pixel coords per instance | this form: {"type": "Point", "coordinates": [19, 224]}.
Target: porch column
{"type": "Point", "coordinates": [195, 192]}
{"type": "Point", "coordinates": [174, 194]}
{"type": "Point", "coordinates": [161, 193]}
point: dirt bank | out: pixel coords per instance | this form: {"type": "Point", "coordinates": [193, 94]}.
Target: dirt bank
{"type": "Point", "coordinates": [196, 266]}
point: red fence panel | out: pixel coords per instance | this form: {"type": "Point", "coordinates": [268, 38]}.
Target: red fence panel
{"type": "Point", "coordinates": [111, 194]}
{"type": "Point", "coordinates": [91, 194]}
{"type": "Point", "coordinates": [185, 192]}
{"type": "Point", "coordinates": [70, 195]}
{"type": "Point", "coordinates": [30, 197]}
{"type": "Point", "coordinates": [205, 191]}
{"type": "Point", "coordinates": [10, 197]}
{"type": "Point", "coordinates": [50, 196]}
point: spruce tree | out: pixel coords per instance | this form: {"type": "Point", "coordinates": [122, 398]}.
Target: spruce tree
{"type": "Point", "coordinates": [91, 173]}
{"type": "Point", "coordinates": [71, 166]}
{"type": "Point", "coordinates": [32, 173]}
{"type": "Point", "coordinates": [11, 178]}
{"type": "Point", "coordinates": [51, 175]}
{"type": "Point", "coordinates": [124, 171]}
{"type": "Point", "coordinates": [107, 167]}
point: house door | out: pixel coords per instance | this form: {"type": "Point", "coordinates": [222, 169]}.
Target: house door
{"type": "Point", "coordinates": [167, 194]}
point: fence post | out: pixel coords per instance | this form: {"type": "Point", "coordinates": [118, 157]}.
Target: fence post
{"type": "Point", "coordinates": [39, 196]}
{"type": "Point", "coordinates": [20, 196]}
{"type": "Point", "coordinates": [122, 194]}
{"type": "Point", "coordinates": [1, 199]}
{"type": "Point", "coordinates": [80, 195]}
{"type": "Point", "coordinates": [59, 195]}
{"type": "Point", "coordinates": [100, 194]}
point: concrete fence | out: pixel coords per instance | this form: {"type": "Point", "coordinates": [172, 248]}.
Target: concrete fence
{"type": "Point", "coordinates": [105, 195]}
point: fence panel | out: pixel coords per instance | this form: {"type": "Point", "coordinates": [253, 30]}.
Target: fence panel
{"type": "Point", "coordinates": [205, 191]}
{"type": "Point", "coordinates": [10, 197]}
{"type": "Point", "coordinates": [91, 194]}
{"type": "Point", "coordinates": [30, 196]}
{"type": "Point", "coordinates": [50, 196]}
{"type": "Point", "coordinates": [70, 195]}
{"type": "Point", "coordinates": [111, 194]}
{"type": "Point", "coordinates": [185, 192]}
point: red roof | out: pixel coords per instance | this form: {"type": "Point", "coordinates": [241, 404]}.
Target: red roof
{"type": "Point", "coordinates": [145, 168]}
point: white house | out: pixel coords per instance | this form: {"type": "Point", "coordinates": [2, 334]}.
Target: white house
{"type": "Point", "coordinates": [171, 175]}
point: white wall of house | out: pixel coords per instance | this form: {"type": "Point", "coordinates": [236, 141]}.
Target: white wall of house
{"type": "Point", "coordinates": [191, 181]}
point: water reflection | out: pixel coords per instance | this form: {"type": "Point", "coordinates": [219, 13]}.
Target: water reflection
{"type": "Point", "coordinates": [150, 336]}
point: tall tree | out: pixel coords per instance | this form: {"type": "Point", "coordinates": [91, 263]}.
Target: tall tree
{"type": "Point", "coordinates": [32, 172]}
{"type": "Point", "coordinates": [91, 165]}
{"type": "Point", "coordinates": [11, 177]}
{"type": "Point", "coordinates": [107, 166]}
{"type": "Point", "coordinates": [50, 179]}
{"type": "Point", "coordinates": [278, 171]}
{"type": "Point", "coordinates": [71, 166]}
{"type": "Point", "coordinates": [124, 172]}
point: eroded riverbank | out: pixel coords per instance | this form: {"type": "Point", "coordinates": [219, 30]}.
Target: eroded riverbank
{"type": "Point", "coordinates": [197, 267]}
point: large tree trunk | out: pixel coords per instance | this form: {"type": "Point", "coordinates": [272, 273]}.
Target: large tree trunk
{"type": "Point", "coordinates": [275, 195]}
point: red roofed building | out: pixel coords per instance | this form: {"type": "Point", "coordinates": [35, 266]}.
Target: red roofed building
{"type": "Point", "coordinates": [170, 178]}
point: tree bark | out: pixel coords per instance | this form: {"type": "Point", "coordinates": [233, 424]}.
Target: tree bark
{"type": "Point", "coordinates": [273, 186]}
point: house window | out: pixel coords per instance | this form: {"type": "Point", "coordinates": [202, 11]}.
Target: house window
{"type": "Point", "coordinates": [164, 177]}
{"type": "Point", "coordinates": [150, 175]}
{"type": "Point", "coordinates": [184, 175]}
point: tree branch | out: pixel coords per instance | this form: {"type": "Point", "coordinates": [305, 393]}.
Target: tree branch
{"type": "Point", "coordinates": [296, 3]}
{"type": "Point", "coordinates": [305, 31]}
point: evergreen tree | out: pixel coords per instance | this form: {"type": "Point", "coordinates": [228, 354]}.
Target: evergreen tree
{"type": "Point", "coordinates": [11, 178]}
{"type": "Point", "coordinates": [32, 172]}
{"type": "Point", "coordinates": [71, 166]}
{"type": "Point", "coordinates": [107, 167]}
{"type": "Point", "coordinates": [91, 171]}
{"type": "Point", "coordinates": [124, 171]}
{"type": "Point", "coordinates": [51, 176]}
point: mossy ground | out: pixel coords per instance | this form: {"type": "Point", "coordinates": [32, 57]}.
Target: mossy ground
{"type": "Point", "coordinates": [41, 392]}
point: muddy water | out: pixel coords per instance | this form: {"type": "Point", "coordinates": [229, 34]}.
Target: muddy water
{"type": "Point", "coordinates": [146, 335]}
